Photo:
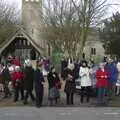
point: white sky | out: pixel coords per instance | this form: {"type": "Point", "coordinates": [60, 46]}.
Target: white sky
{"type": "Point", "coordinates": [112, 9]}
{"type": "Point", "coordinates": [17, 3]}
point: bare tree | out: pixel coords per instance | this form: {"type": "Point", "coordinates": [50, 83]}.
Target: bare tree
{"type": "Point", "coordinates": [66, 23]}
{"type": "Point", "coordinates": [8, 20]}
{"type": "Point", "coordinates": [90, 13]}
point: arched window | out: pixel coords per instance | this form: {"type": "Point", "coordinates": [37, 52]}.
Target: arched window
{"type": "Point", "coordinates": [93, 51]}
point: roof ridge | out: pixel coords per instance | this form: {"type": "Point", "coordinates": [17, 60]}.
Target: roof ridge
{"type": "Point", "coordinates": [25, 34]}
{"type": "Point", "coordinates": [8, 38]}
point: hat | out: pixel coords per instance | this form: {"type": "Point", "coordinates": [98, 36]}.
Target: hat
{"type": "Point", "coordinates": [17, 68]}
{"type": "Point", "coordinates": [71, 66]}
{"type": "Point", "coordinates": [28, 63]}
{"type": "Point", "coordinates": [11, 68]}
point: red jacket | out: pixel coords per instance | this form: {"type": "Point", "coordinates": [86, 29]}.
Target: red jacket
{"type": "Point", "coordinates": [102, 78]}
{"type": "Point", "coordinates": [17, 76]}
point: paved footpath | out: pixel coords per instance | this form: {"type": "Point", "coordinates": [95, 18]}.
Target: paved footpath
{"type": "Point", "coordinates": [47, 113]}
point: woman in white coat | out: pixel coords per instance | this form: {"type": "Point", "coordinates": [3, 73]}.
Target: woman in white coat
{"type": "Point", "coordinates": [86, 83]}
{"type": "Point", "coordinates": [118, 80]}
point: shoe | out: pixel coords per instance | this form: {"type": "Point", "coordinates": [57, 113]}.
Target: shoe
{"type": "Point", "coordinates": [38, 106]}
{"type": "Point", "coordinates": [15, 101]}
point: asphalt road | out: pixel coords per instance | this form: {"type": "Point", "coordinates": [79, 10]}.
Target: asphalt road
{"type": "Point", "coordinates": [54, 113]}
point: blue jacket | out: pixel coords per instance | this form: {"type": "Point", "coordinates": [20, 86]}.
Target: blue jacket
{"type": "Point", "coordinates": [112, 72]}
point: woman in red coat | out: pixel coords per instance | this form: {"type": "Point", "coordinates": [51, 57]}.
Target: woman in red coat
{"type": "Point", "coordinates": [102, 83]}
{"type": "Point", "coordinates": [17, 78]}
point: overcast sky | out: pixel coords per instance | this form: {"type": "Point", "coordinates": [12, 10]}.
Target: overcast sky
{"type": "Point", "coordinates": [112, 9]}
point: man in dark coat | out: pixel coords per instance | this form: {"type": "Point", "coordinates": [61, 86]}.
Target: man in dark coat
{"type": "Point", "coordinates": [70, 84]}
{"type": "Point", "coordinates": [39, 81]}
{"type": "Point", "coordinates": [113, 73]}
{"type": "Point", "coordinates": [6, 79]}
{"type": "Point", "coordinates": [28, 82]}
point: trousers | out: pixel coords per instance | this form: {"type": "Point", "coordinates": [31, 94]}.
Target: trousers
{"type": "Point", "coordinates": [39, 95]}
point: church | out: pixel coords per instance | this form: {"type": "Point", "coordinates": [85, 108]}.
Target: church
{"type": "Point", "coordinates": [26, 42]}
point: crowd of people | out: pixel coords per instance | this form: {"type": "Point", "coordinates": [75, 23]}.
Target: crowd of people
{"type": "Point", "coordinates": [17, 78]}
{"type": "Point", "coordinates": [99, 80]}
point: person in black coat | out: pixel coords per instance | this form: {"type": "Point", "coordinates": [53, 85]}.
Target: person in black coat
{"type": "Point", "coordinates": [39, 82]}
{"type": "Point", "coordinates": [64, 64]}
{"type": "Point", "coordinates": [28, 82]}
{"type": "Point", "coordinates": [70, 84]}
{"type": "Point", "coordinates": [6, 79]}
{"type": "Point", "coordinates": [54, 86]}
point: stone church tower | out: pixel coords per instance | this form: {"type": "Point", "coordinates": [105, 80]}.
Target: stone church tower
{"type": "Point", "coordinates": [31, 17]}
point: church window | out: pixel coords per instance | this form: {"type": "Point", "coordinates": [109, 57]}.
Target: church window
{"type": "Point", "coordinates": [20, 42]}
{"type": "Point", "coordinates": [24, 42]}
{"type": "Point", "coordinates": [93, 51]}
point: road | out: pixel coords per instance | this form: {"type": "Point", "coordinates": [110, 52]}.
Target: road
{"type": "Point", "coordinates": [54, 113]}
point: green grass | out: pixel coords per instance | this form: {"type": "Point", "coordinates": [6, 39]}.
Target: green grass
{"type": "Point", "coordinates": [115, 101]}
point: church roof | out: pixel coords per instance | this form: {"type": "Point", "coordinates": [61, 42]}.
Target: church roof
{"type": "Point", "coordinates": [20, 33]}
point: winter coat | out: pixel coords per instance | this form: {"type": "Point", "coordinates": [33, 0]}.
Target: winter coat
{"type": "Point", "coordinates": [17, 77]}
{"type": "Point", "coordinates": [63, 66]}
{"type": "Point", "coordinates": [118, 77]}
{"type": "Point", "coordinates": [77, 67]}
{"type": "Point", "coordinates": [112, 70]}
{"type": "Point", "coordinates": [70, 82]}
{"type": "Point", "coordinates": [53, 79]}
{"type": "Point", "coordinates": [93, 71]}
{"type": "Point", "coordinates": [29, 78]}
{"type": "Point", "coordinates": [38, 78]}
{"type": "Point", "coordinates": [1, 79]}
{"type": "Point", "coordinates": [6, 75]}
{"type": "Point", "coordinates": [1, 75]}
{"type": "Point", "coordinates": [84, 74]}
{"type": "Point", "coordinates": [118, 69]}
{"type": "Point", "coordinates": [102, 78]}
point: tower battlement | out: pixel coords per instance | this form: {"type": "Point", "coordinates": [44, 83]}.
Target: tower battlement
{"type": "Point", "coordinates": [31, 20]}
{"type": "Point", "coordinates": [31, 17]}
{"type": "Point", "coordinates": [31, 0]}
